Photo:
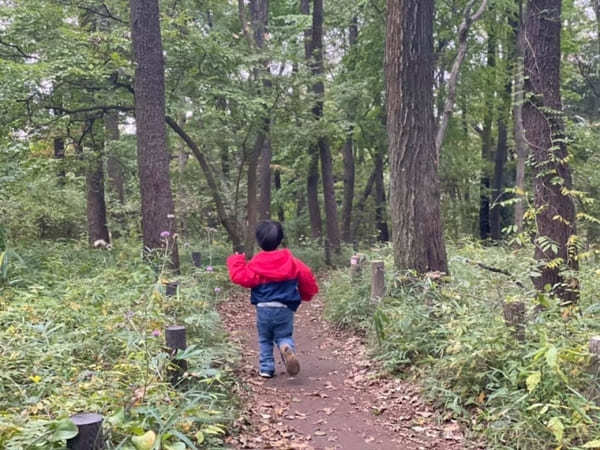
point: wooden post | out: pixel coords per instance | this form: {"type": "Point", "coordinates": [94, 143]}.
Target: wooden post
{"type": "Point", "coordinates": [377, 281]}
{"type": "Point", "coordinates": [176, 340]}
{"type": "Point", "coordinates": [171, 288]}
{"type": "Point", "coordinates": [514, 316]}
{"type": "Point", "coordinates": [197, 259]}
{"type": "Point", "coordinates": [90, 432]}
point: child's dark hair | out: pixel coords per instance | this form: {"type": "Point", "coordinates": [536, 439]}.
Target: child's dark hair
{"type": "Point", "coordinates": [269, 234]}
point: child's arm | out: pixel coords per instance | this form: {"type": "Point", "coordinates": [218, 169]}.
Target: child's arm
{"type": "Point", "coordinates": [307, 285]}
{"type": "Point", "coordinates": [239, 272]}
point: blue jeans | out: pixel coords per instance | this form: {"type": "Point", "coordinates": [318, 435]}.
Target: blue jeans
{"type": "Point", "coordinates": [275, 325]}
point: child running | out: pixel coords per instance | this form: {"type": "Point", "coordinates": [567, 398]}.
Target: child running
{"type": "Point", "coordinates": [278, 282]}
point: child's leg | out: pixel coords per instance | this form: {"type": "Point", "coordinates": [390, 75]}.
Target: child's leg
{"type": "Point", "coordinates": [283, 327]}
{"type": "Point", "coordinates": [283, 330]}
{"type": "Point", "coordinates": [265, 339]}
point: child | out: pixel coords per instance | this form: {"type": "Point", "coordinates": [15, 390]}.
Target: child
{"type": "Point", "coordinates": [279, 282]}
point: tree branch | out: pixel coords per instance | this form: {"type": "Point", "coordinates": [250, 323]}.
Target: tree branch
{"type": "Point", "coordinates": [452, 82]}
{"type": "Point", "coordinates": [229, 223]}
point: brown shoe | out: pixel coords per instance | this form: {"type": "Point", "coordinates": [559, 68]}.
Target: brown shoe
{"type": "Point", "coordinates": [289, 358]}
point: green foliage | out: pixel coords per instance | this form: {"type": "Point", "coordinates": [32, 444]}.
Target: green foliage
{"type": "Point", "coordinates": [539, 393]}
{"type": "Point", "coordinates": [83, 330]}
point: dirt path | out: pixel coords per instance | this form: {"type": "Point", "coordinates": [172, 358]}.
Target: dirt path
{"type": "Point", "coordinates": [337, 401]}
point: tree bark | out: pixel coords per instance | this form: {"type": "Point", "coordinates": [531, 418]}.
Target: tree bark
{"type": "Point", "coordinates": [417, 232]}
{"type": "Point", "coordinates": [331, 220]}
{"type": "Point", "coordinates": [544, 130]}
{"type": "Point", "coordinates": [153, 158]}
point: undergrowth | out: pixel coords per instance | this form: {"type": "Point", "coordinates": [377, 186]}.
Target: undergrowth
{"type": "Point", "coordinates": [451, 335]}
{"type": "Point", "coordinates": [83, 331]}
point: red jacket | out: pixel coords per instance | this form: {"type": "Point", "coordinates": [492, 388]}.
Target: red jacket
{"type": "Point", "coordinates": [274, 276]}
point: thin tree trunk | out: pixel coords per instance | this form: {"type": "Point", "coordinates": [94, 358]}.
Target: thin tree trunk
{"type": "Point", "coordinates": [348, 158]}
{"type": "Point", "coordinates": [264, 176]}
{"type": "Point", "coordinates": [417, 232]}
{"type": "Point", "coordinates": [158, 209]}
{"type": "Point", "coordinates": [331, 220]}
{"type": "Point", "coordinates": [380, 209]}
{"type": "Point", "coordinates": [521, 146]}
{"type": "Point", "coordinates": [95, 202]}
{"type": "Point", "coordinates": [448, 106]}
{"type": "Point", "coordinates": [116, 177]}
{"type": "Point", "coordinates": [486, 141]}
{"type": "Point", "coordinates": [277, 185]}
{"type": "Point", "coordinates": [362, 202]}
{"type": "Point", "coordinates": [544, 129]}
{"type": "Point", "coordinates": [312, 178]}
{"type": "Point", "coordinates": [59, 154]}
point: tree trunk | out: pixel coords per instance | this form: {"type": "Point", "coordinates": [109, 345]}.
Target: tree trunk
{"type": "Point", "coordinates": [312, 177]}
{"type": "Point", "coordinates": [331, 220]}
{"type": "Point", "coordinates": [95, 202]}
{"type": "Point", "coordinates": [380, 210]}
{"type": "Point", "coordinates": [116, 177]}
{"type": "Point", "coordinates": [264, 176]}
{"type": "Point", "coordinates": [417, 232]}
{"type": "Point", "coordinates": [348, 157]}
{"type": "Point", "coordinates": [544, 130]}
{"type": "Point", "coordinates": [486, 141]}
{"type": "Point", "coordinates": [59, 154]}
{"type": "Point", "coordinates": [277, 185]}
{"type": "Point", "coordinates": [153, 158]}
{"type": "Point", "coordinates": [521, 147]}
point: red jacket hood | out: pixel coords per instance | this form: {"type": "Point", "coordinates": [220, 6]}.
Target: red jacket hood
{"type": "Point", "coordinates": [277, 265]}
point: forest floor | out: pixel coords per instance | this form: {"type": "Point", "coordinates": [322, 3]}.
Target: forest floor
{"type": "Point", "coordinates": [339, 400]}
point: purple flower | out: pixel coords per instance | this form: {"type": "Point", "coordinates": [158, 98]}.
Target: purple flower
{"type": "Point", "coordinates": [165, 234]}
{"type": "Point", "coordinates": [129, 315]}
{"type": "Point", "coordinates": [156, 333]}
{"type": "Point", "coordinates": [217, 290]}
{"type": "Point", "coordinates": [209, 269]}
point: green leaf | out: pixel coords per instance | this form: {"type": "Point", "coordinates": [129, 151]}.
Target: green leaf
{"type": "Point", "coordinates": [552, 357]}
{"type": "Point", "coordinates": [557, 428]}
{"type": "Point", "coordinates": [62, 430]}
{"type": "Point", "coordinates": [592, 444]}
{"type": "Point", "coordinates": [200, 437]}
{"type": "Point", "coordinates": [175, 446]}
{"type": "Point", "coordinates": [533, 380]}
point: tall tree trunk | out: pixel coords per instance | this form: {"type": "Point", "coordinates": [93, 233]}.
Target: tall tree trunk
{"type": "Point", "coordinates": [486, 140]}
{"type": "Point", "coordinates": [264, 176]}
{"type": "Point", "coordinates": [95, 202]}
{"type": "Point", "coordinates": [502, 145]}
{"type": "Point", "coordinates": [380, 210]}
{"type": "Point", "coordinates": [153, 158]}
{"type": "Point", "coordinates": [259, 13]}
{"type": "Point", "coordinates": [312, 177]}
{"type": "Point", "coordinates": [114, 169]}
{"type": "Point", "coordinates": [277, 185]}
{"type": "Point", "coordinates": [417, 232]}
{"type": "Point", "coordinates": [348, 157]}
{"type": "Point", "coordinates": [521, 146]}
{"type": "Point", "coordinates": [331, 220]}
{"type": "Point", "coordinates": [544, 130]}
